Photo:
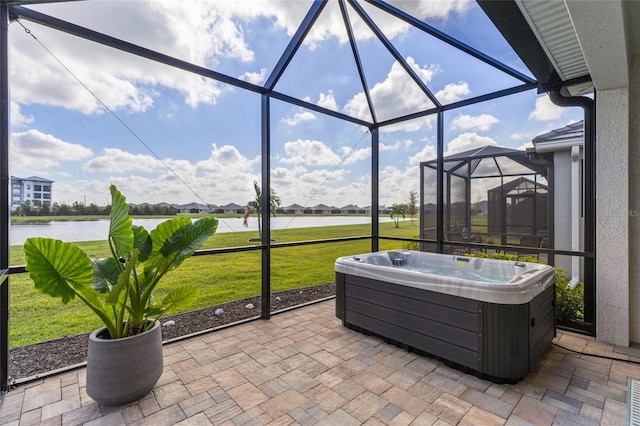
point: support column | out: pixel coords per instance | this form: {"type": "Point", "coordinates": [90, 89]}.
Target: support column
{"type": "Point", "coordinates": [4, 194]}
{"type": "Point", "coordinates": [612, 216]}
{"type": "Point", "coordinates": [265, 206]}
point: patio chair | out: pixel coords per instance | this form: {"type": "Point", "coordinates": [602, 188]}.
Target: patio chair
{"type": "Point", "coordinates": [534, 241]}
{"type": "Point", "coordinates": [459, 237]}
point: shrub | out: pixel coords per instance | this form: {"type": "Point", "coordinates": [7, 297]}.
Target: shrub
{"type": "Point", "coordinates": [569, 301]}
{"type": "Point", "coordinates": [411, 245]}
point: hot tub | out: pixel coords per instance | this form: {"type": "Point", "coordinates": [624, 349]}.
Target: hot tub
{"type": "Point", "coordinates": [493, 318]}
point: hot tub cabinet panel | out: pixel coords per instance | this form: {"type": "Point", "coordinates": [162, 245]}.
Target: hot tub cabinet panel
{"type": "Point", "coordinates": [499, 342]}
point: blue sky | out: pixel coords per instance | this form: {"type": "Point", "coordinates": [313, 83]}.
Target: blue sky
{"type": "Point", "coordinates": [192, 139]}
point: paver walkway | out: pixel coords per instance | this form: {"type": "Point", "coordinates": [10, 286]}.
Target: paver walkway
{"type": "Point", "coordinates": [303, 367]}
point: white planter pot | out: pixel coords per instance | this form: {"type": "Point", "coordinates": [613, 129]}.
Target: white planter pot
{"type": "Point", "coordinates": [120, 371]}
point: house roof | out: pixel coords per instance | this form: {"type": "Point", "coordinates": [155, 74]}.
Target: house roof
{"type": "Point", "coordinates": [322, 207]}
{"type": "Point", "coordinates": [38, 178]}
{"type": "Point", "coordinates": [193, 205]}
{"type": "Point", "coordinates": [570, 131]}
{"type": "Point", "coordinates": [33, 178]}
{"type": "Point", "coordinates": [350, 207]}
{"type": "Point", "coordinates": [294, 207]}
{"type": "Point", "coordinates": [231, 206]}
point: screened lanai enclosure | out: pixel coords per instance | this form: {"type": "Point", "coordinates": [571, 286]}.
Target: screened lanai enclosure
{"type": "Point", "coordinates": [491, 195]}
{"type": "Point", "coordinates": [335, 106]}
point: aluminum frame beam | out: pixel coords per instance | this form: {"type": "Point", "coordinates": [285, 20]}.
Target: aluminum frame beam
{"type": "Point", "coordinates": [451, 41]}
{"type": "Point", "coordinates": [356, 57]}
{"type": "Point", "coordinates": [294, 44]}
{"type": "Point", "coordinates": [394, 52]}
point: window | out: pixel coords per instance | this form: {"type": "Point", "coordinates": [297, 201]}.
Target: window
{"type": "Point", "coordinates": [37, 187]}
{"type": "Point", "coordinates": [46, 188]}
{"type": "Point", "coordinates": [28, 186]}
{"type": "Point", "coordinates": [46, 196]}
{"type": "Point", "coordinates": [37, 195]}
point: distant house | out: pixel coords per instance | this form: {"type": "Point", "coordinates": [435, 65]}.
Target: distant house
{"type": "Point", "coordinates": [294, 209]}
{"type": "Point", "coordinates": [322, 209]}
{"type": "Point", "coordinates": [352, 209]}
{"type": "Point", "coordinates": [566, 145]}
{"type": "Point", "coordinates": [381, 209]}
{"type": "Point", "coordinates": [34, 189]}
{"type": "Point", "coordinates": [481, 208]}
{"type": "Point", "coordinates": [194, 208]}
{"type": "Point", "coordinates": [232, 208]}
{"type": "Point", "coordinates": [431, 208]}
{"type": "Point", "coordinates": [167, 205]}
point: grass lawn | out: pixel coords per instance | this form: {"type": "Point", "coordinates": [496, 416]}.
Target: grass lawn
{"type": "Point", "coordinates": [35, 317]}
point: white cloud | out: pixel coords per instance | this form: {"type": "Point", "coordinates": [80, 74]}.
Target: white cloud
{"type": "Point", "coordinates": [204, 33]}
{"type": "Point", "coordinates": [453, 92]}
{"type": "Point", "coordinates": [328, 101]}
{"type": "Point", "coordinates": [255, 77]}
{"type": "Point", "coordinates": [321, 176]}
{"type": "Point", "coordinates": [310, 153]}
{"type": "Point", "coordinates": [17, 118]}
{"type": "Point", "coordinates": [355, 155]}
{"type": "Point", "coordinates": [298, 118]}
{"type": "Point", "coordinates": [481, 122]}
{"type": "Point", "coordinates": [34, 150]}
{"type": "Point", "coordinates": [396, 183]}
{"type": "Point", "coordinates": [467, 141]}
{"type": "Point", "coordinates": [330, 22]}
{"type": "Point", "coordinates": [115, 160]}
{"type": "Point", "coordinates": [545, 110]}
{"type": "Point", "coordinates": [397, 145]}
{"type": "Point", "coordinates": [227, 157]}
{"type": "Point", "coordinates": [437, 9]}
{"type": "Point", "coordinates": [521, 135]}
{"type": "Point", "coordinates": [388, 104]}
{"type": "Point", "coordinates": [428, 152]}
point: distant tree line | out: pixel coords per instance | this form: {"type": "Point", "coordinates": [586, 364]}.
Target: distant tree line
{"type": "Point", "coordinates": [79, 209]}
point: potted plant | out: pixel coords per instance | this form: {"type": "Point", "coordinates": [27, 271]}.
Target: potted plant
{"type": "Point", "coordinates": [124, 358]}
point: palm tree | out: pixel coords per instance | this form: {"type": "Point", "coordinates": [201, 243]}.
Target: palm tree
{"type": "Point", "coordinates": [412, 208]}
{"type": "Point", "coordinates": [255, 206]}
{"type": "Point", "coordinates": [396, 211]}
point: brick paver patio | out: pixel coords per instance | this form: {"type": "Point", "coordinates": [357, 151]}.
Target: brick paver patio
{"type": "Point", "coordinates": [303, 367]}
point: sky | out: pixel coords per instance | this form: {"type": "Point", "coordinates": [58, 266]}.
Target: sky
{"type": "Point", "coordinates": [87, 116]}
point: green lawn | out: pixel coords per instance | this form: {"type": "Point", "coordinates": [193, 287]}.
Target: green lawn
{"type": "Point", "coordinates": [34, 317]}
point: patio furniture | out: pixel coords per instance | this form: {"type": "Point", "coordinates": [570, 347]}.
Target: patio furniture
{"type": "Point", "coordinates": [528, 241]}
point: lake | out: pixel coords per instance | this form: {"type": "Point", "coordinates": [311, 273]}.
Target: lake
{"type": "Point", "coordinates": [94, 230]}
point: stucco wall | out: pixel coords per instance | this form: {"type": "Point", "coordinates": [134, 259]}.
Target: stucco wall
{"type": "Point", "coordinates": [612, 216]}
{"type": "Point", "coordinates": [633, 35]}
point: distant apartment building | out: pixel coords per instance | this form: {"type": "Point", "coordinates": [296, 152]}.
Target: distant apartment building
{"type": "Point", "coordinates": [34, 189]}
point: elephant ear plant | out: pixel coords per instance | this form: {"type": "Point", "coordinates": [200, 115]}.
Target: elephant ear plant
{"type": "Point", "coordinates": [119, 289]}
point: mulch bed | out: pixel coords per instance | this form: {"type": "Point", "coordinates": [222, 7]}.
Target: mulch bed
{"type": "Point", "coordinates": [27, 362]}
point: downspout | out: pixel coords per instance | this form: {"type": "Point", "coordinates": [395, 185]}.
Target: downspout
{"type": "Point", "coordinates": [588, 106]}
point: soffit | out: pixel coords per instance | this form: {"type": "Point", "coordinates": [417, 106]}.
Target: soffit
{"type": "Point", "coordinates": [581, 38]}
{"type": "Point", "coordinates": [600, 26]}
{"type": "Point", "coordinates": [552, 25]}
